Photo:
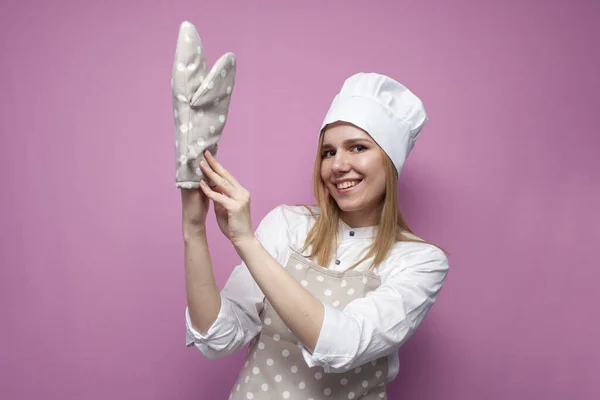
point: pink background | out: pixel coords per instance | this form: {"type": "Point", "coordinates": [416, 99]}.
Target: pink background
{"type": "Point", "coordinates": [506, 177]}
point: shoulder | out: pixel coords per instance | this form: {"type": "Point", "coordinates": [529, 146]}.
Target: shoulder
{"type": "Point", "coordinates": [290, 217]}
{"type": "Point", "coordinates": [283, 227]}
{"type": "Point", "coordinates": [292, 214]}
{"type": "Point", "coordinates": [414, 255]}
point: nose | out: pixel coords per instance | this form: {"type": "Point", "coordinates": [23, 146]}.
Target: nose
{"type": "Point", "coordinates": [340, 163]}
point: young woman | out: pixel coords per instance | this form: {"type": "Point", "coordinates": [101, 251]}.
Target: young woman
{"type": "Point", "coordinates": [325, 294]}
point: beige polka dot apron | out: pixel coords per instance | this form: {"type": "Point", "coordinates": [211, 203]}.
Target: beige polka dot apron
{"type": "Point", "coordinates": [275, 368]}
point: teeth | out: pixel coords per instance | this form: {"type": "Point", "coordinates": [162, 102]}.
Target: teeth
{"type": "Point", "coordinates": [346, 185]}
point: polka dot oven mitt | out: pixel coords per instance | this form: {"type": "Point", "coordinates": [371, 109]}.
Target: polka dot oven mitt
{"type": "Point", "coordinates": [200, 104]}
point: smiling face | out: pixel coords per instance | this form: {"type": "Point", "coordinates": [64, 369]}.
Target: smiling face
{"type": "Point", "coordinates": [353, 172]}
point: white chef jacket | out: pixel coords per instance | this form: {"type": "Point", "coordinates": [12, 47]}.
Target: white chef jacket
{"type": "Point", "coordinates": [366, 329]}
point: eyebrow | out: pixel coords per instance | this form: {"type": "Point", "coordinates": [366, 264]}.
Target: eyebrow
{"type": "Point", "coordinates": [348, 142]}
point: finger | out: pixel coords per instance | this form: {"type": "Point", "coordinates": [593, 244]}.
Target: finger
{"type": "Point", "coordinates": [217, 189]}
{"type": "Point", "coordinates": [221, 183]}
{"type": "Point", "coordinates": [219, 169]}
{"type": "Point", "coordinates": [217, 197]}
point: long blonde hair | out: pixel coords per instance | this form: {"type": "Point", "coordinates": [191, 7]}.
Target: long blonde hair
{"type": "Point", "coordinates": [392, 226]}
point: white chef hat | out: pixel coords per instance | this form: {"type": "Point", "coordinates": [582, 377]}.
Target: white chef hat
{"type": "Point", "coordinates": [384, 108]}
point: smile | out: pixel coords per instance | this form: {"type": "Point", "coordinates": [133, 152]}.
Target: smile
{"type": "Point", "coordinates": [347, 187]}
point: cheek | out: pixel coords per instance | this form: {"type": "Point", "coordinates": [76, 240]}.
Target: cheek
{"type": "Point", "coordinates": [370, 166]}
{"type": "Point", "coordinates": [325, 171]}
{"type": "Point", "coordinates": [324, 179]}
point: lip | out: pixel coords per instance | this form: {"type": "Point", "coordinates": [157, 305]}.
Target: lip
{"type": "Point", "coordinates": [346, 180]}
{"type": "Point", "coordinates": [348, 190]}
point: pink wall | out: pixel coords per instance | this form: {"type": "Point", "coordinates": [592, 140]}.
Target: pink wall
{"type": "Point", "coordinates": [505, 177]}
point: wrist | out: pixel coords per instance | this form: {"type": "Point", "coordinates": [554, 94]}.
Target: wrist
{"type": "Point", "coordinates": [191, 231]}
{"type": "Point", "coordinates": [245, 244]}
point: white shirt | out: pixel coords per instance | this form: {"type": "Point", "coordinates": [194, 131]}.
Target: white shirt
{"type": "Point", "coordinates": [366, 329]}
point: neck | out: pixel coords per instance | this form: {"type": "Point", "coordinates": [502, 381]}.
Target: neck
{"type": "Point", "coordinates": [360, 218]}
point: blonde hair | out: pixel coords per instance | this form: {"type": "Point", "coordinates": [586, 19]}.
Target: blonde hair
{"type": "Point", "coordinates": [392, 226]}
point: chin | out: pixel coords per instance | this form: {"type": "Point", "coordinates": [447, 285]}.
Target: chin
{"type": "Point", "coordinates": [349, 206]}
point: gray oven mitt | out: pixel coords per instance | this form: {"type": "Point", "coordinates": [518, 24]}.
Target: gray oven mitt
{"type": "Point", "coordinates": [200, 104]}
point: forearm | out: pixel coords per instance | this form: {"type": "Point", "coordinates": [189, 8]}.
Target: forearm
{"type": "Point", "coordinates": [299, 309]}
{"type": "Point", "coordinates": [203, 297]}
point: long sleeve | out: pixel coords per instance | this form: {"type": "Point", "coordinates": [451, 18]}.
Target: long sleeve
{"type": "Point", "coordinates": [238, 320]}
{"type": "Point", "coordinates": [380, 322]}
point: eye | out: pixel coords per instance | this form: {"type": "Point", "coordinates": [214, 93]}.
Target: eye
{"type": "Point", "coordinates": [360, 148]}
{"type": "Point", "coordinates": [328, 153]}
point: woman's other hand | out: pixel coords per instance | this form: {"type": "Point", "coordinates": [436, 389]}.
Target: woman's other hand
{"type": "Point", "coordinates": [231, 201]}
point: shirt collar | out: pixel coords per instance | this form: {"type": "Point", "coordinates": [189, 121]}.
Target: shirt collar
{"type": "Point", "coordinates": [348, 233]}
